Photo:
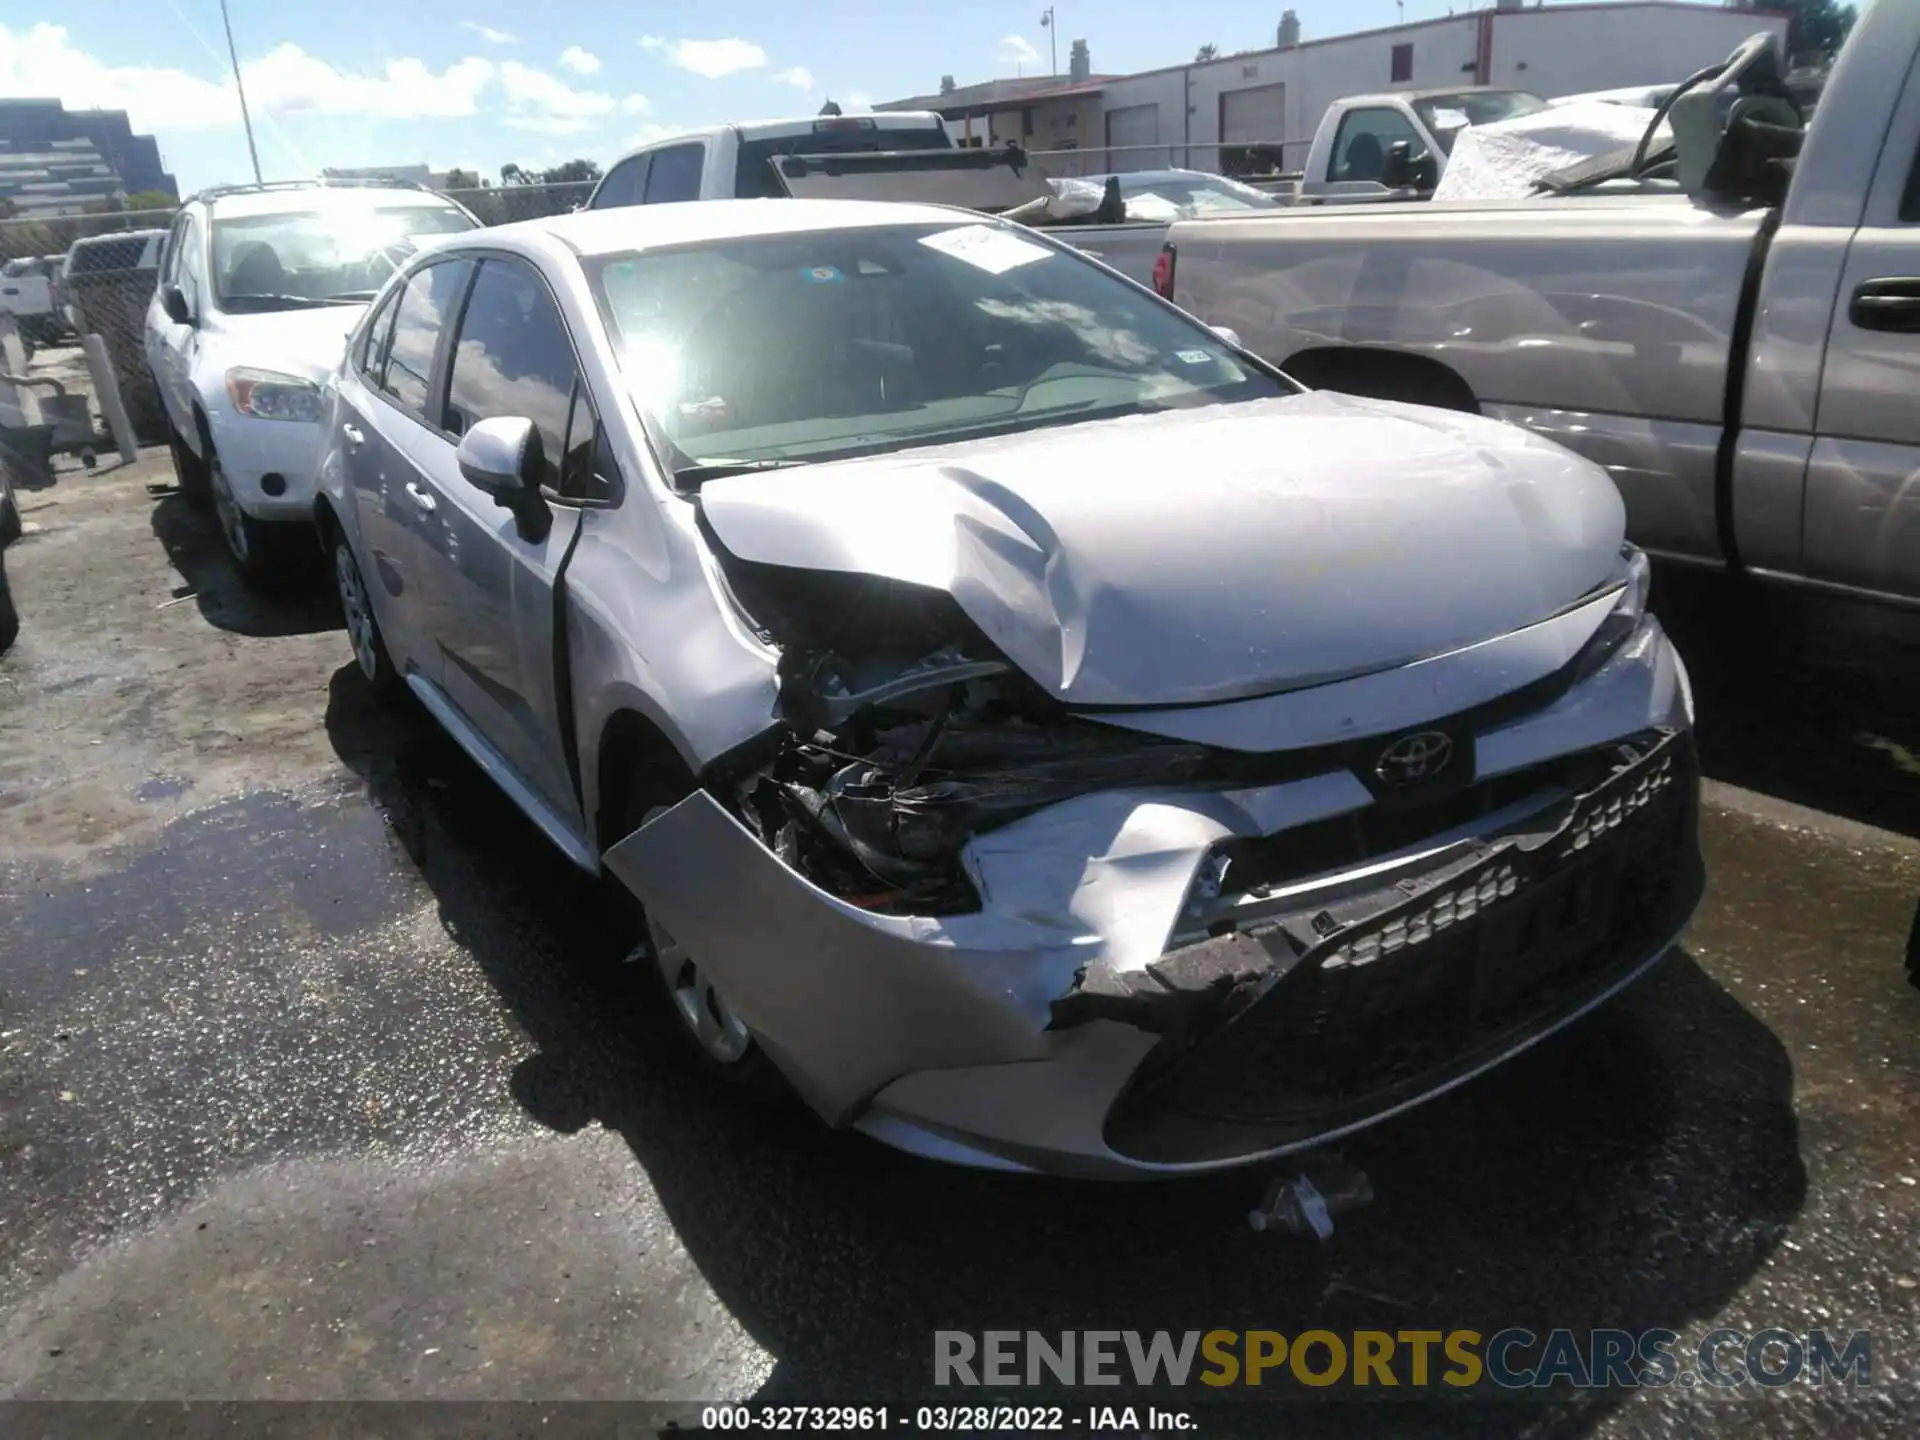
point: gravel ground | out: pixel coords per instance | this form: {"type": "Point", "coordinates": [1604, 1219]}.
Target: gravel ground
{"type": "Point", "coordinates": [317, 1081]}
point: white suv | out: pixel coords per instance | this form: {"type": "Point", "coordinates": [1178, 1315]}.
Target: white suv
{"type": "Point", "coordinates": [258, 287]}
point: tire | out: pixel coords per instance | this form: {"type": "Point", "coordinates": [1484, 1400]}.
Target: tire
{"type": "Point", "coordinates": [191, 473]}
{"type": "Point", "coordinates": [711, 1036]}
{"type": "Point", "coordinates": [9, 617]}
{"type": "Point", "coordinates": [363, 627]}
{"type": "Point", "coordinates": [254, 545]}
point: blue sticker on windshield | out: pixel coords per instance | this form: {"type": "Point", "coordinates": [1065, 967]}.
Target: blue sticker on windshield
{"type": "Point", "coordinates": [820, 274]}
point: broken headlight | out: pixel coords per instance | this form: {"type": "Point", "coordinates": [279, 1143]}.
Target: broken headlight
{"type": "Point", "coordinates": [1629, 609]}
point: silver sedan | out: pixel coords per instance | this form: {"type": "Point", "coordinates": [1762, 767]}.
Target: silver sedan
{"type": "Point", "coordinates": [1040, 734]}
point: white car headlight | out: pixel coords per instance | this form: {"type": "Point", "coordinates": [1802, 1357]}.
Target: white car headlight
{"type": "Point", "coordinates": [1629, 609]}
{"type": "Point", "coordinates": [270, 395]}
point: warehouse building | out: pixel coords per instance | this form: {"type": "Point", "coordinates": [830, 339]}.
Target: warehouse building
{"type": "Point", "coordinates": [1258, 109]}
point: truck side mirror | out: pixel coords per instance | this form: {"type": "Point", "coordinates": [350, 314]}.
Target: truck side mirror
{"type": "Point", "coordinates": [1404, 170]}
{"type": "Point", "coordinates": [174, 301]}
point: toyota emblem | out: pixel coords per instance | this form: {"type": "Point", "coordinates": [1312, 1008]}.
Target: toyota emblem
{"type": "Point", "coordinates": [1413, 758]}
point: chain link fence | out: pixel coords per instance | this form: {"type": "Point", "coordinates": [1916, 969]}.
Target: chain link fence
{"type": "Point", "coordinates": [65, 276]}
{"type": "Point", "coordinates": [504, 204]}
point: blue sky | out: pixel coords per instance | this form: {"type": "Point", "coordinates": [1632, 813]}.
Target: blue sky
{"type": "Point", "coordinates": [480, 83]}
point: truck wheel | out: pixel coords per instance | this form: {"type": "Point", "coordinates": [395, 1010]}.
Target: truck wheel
{"type": "Point", "coordinates": [711, 1034]}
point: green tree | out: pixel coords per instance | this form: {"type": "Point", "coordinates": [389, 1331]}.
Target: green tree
{"type": "Point", "coordinates": [462, 180]}
{"type": "Point", "coordinates": [514, 175]}
{"type": "Point", "coordinates": [574, 172]}
{"type": "Point", "coordinates": [151, 200]}
{"type": "Point", "coordinates": [1206, 52]}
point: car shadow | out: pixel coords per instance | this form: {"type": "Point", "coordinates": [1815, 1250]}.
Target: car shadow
{"type": "Point", "coordinates": [1634, 1172]}
{"type": "Point", "coordinates": [299, 601]}
{"type": "Point", "coordinates": [1800, 696]}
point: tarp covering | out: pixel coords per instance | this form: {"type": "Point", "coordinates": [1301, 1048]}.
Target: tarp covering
{"type": "Point", "coordinates": [1501, 160]}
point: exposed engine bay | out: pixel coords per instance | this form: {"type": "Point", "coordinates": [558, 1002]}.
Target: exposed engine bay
{"type": "Point", "coordinates": [906, 735]}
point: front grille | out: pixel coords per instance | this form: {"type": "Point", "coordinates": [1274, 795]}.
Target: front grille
{"type": "Point", "coordinates": [1392, 823]}
{"type": "Point", "coordinates": [1396, 991]}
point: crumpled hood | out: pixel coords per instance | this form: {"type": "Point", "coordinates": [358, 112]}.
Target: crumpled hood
{"type": "Point", "coordinates": [1209, 554]}
{"type": "Point", "coordinates": [307, 343]}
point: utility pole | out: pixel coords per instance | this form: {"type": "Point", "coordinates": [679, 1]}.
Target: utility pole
{"type": "Point", "coordinates": [1053, 40]}
{"type": "Point", "coordinates": [246, 119]}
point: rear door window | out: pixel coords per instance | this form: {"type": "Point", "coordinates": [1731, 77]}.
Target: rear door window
{"type": "Point", "coordinates": [675, 174]}
{"type": "Point", "coordinates": [625, 184]}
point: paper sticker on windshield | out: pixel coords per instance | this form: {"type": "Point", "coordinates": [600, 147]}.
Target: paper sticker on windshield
{"type": "Point", "coordinates": [1193, 357]}
{"type": "Point", "coordinates": [986, 248]}
{"type": "Point", "coordinates": [820, 274]}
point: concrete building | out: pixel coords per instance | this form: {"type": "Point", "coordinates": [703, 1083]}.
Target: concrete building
{"type": "Point", "coordinates": [1258, 109]}
{"type": "Point", "coordinates": [56, 161]}
{"type": "Point", "coordinates": [1048, 112]}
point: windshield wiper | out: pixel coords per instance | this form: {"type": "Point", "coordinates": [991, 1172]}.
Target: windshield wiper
{"type": "Point", "coordinates": [720, 469]}
{"type": "Point", "coordinates": [286, 302]}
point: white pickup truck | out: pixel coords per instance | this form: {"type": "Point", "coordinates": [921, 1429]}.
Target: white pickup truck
{"type": "Point", "coordinates": [1394, 146]}
{"type": "Point", "coordinates": [896, 155]}
{"type": "Point", "coordinates": [1732, 331]}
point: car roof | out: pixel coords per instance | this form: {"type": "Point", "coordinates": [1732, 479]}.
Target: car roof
{"type": "Point", "coordinates": [286, 200]}
{"type": "Point", "coordinates": [782, 128]}
{"type": "Point", "coordinates": [644, 227]}
{"type": "Point", "coordinates": [117, 237]}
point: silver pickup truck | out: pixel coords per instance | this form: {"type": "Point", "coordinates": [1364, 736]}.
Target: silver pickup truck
{"type": "Point", "coordinates": [1732, 331]}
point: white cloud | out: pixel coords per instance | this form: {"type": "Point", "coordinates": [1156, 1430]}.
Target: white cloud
{"type": "Point", "coordinates": [287, 80]}
{"type": "Point", "coordinates": [1015, 50]}
{"type": "Point", "coordinates": [711, 59]}
{"type": "Point", "coordinates": [653, 130]}
{"type": "Point", "coordinates": [548, 105]}
{"type": "Point", "coordinates": [43, 60]}
{"type": "Point", "coordinates": [857, 102]}
{"type": "Point", "coordinates": [581, 62]}
{"type": "Point", "coordinates": [799, 77]}
{"type": "Point", "coordinates": [489, 34]}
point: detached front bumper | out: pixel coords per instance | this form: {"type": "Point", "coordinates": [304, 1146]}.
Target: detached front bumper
{"type": "Point", "coordinates": [1071, 1027]}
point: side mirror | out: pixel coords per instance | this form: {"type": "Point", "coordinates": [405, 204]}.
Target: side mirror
{"type": "Point", "coordinates": [1228, 334]}
{"type": "Point", "coordinates": [503, 457]}
{"type": "Point", "coordinates": [174, 301]}
{"type": "Point", "coordinates": [1404, 170]}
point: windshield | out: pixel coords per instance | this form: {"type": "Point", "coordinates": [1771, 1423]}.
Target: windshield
{"type": "Point", "coordinates": [814, 346]}
{"type": "Point", "coordinates": [1447, 115]}
{"type": "Point", "coordinates": [1183, 197]}
{"type": "Point", "coordinates": [338, 255]}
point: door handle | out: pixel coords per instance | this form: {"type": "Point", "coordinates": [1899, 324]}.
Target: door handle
{"type": "Point", "coordinates": [1889, 304]}
{"type": "Point", "coordinates": [421, 498]}
{"type": "Point", "coordinates": [354, 434]}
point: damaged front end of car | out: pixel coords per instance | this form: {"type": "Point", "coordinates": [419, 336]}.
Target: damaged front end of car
{"type": "Point", "coordinates": [989, 927]}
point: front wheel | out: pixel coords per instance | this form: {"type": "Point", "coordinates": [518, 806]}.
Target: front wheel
{"type": "Point", "coordinates": [363, 630]}
{"type": "Point", "coordinates": [190, 471]}
{"type": "Point", "coordinates": [252, 543]}
{"type": "Point", "coordinates": [715, 1037]}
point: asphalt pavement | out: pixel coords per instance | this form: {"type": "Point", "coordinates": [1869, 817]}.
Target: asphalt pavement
{"type": "Point", "coordinates": [321, 1078]}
